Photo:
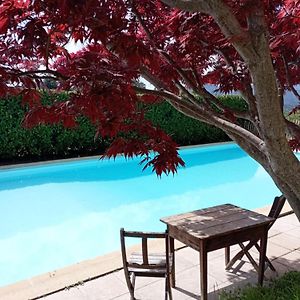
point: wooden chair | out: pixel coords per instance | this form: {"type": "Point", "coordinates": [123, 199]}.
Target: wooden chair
{"type": "Point", "coordinates": [274, 213]}
{"type": "Point", "coordinates": [145, 264]}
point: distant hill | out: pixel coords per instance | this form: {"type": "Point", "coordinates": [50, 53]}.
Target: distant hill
{"type": "Point", "coordinates": [290, 101]}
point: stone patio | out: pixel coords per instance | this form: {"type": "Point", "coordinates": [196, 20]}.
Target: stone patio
{"type": "Point", "coordinates": [283, 249]}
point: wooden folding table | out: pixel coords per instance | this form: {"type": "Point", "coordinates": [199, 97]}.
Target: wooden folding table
{"type": "Point", "coordinates": [217, 227]}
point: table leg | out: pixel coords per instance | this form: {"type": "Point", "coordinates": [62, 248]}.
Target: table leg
{"type": "Point", "coordinates": [262, 256]}
{"type": "Point", "coordinates": [203, 270]}
{"type": "Point", "coordinates": [227, 255]}
{"type": "Point", "coordinates": [172, 250]}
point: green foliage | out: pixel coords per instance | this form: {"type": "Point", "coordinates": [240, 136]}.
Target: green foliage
{"type": "Point", "coordinates": [286, 287]}
{"type": "Point", "coordinates": [44, 141]}
{"type": "Point", "coordinates": [187, 131]}
{"type": "Point", "coordinates": [54, 141]}
{"type": "Point", "coordinates": [235, 102]}
{"type": "Point", "coordinates": [295, 117]}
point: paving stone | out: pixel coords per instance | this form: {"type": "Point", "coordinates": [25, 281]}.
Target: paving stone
{"type": "Point", "coordinates": [290, 260]}
{"type": "Point", "coordinates": [284, 225]}
{"type": "Point", "coordinates": [285, 240]}
{"type": "Point", "coordinates": [295, 232]}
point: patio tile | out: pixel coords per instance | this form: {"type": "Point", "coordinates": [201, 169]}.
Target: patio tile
{"type": "Point", "coordinates": [273, 251]}
{"type": "Point", "coordinates": [280, 270]}
{"type": "Point", "coordinates": [242, 270]}
{"type": "Point", "coordinates": [107, 287]}
{"type": "Point", "coordinates": [295, 232]}
{"type": "Point", "coordinates": [187, 254]}
{"type": "Point", "coordinates": [140, 281]}
{"type": "Point", "coordinates": [292, 219]}
{"type": "Point", "coordinates": [156, 290]}
{"type": "Point", "coordinates": [273, 232]}
{"type": "Point", "coordinates": [103, 288]}
{"type": "Point", "coordinates": [290, 260]}
{"type": "Point", "coordinates": [285, 240]}
{"type": "Point", "coordinates": [69, 294]}
{"type": "Point", "coordinates": [284, 224]}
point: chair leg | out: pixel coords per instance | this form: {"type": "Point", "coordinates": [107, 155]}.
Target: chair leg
{"type": "Point", "coordinates": [166, 287]}
{"type": "Point", "coordinates": [131, 286]}
{"type": "Point", "coordinates": [253, 262]}
{"type": "Point", "coordinates": [270, 265]}
{"type": "Point", "coordinates": [168, 290]}
{"type": "Point", "coordinates": [240, 254]}
{"type": "Point", "coordinates": [172, 250]}
{"type": "Point", "coordinates": [268, 262]}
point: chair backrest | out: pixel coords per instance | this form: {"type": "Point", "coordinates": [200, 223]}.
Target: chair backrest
{"type": "Point", "coordinates": [144, 236]}
{"type": "Point", "coordinates": [276, 208]}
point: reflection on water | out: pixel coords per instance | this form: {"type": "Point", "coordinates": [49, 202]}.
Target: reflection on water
{"type": "Point", "coordinates": [77, 209]}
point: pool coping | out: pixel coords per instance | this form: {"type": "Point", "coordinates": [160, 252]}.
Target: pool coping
{"type": "Point", "coordinates": [74, 159]}
{"type": "Point", "coordinates": [57, 280]}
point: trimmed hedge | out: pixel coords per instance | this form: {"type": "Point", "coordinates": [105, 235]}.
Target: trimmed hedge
{"type": "Point", "coordinates": [183, 130]}
{"type": "Point", "coordinates": [55, 141]}
{"type": "Point", "coordinates": [187, 131]}
{"type": "Point", "coordinates": [43, 141]}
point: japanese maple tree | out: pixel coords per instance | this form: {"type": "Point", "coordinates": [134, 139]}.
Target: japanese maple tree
{"type": "Point", "coordinates": [250, 46]}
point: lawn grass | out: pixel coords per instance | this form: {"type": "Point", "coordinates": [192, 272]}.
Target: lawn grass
{"type": "Point", "coordinates": [286, 287]}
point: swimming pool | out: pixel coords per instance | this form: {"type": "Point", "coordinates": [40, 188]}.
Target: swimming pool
{"type": "Point", "coordinates": [57, 214]}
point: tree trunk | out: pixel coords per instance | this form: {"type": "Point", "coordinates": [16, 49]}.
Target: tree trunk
{"type": "Point", "coordinates": [287, 174]}
{"type": "Point", "coordinates": [281, 163]}
{"type": "Point", "coordinates": [270, 147]}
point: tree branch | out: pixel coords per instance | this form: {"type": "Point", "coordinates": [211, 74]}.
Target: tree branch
{"type": "Point", "coordinates": [47, 52]}
{"type": "Point", "coordinates": [146, 74]}
{"type": "Point", "coordinates": [200, 113]}
{"type": "Point", "coordinates": [159, 93]}
{"type": "Point", "coordinates": [293, 129]}
{"type": "Point", "coordinates": [161, 51]}
{"type": "Point", "coordinates": [250, 149]}
{"type": "Point", "coordinates": [189, 96]}
{"type": "Point", "coordinates": [227, 22]}
{"type": "Point", "coordinates": [33, 72]}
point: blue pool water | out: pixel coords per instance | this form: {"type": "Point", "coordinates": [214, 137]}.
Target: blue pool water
{"type": "Point", "coordinates": [57, 214]}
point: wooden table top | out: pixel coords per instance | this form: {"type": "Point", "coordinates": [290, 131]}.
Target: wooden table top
{"type": "Point", "coordinates": [217, 220]}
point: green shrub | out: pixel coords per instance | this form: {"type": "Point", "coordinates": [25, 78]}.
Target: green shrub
{"type": "Point", "coordinates": [43, 141]}
{"type": "Point", "coordinates": [187, 131]}
{"type": "Point", "coordinates": [295, 117]}
{"type": "Point", "coordinates": [55, 141]}
{"type": "Point", "coordinates": [286, 287]}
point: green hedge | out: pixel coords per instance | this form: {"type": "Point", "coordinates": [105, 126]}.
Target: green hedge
{"type": "Point", "coordinates": [188, 131]}
{"type": "Point", "coordinates": [43, 141]}
{"type": "Point", "coordinates": [55, 141]}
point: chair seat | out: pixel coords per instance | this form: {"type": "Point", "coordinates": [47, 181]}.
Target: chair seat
{"type": "Point", "coordinates": [156, 263]}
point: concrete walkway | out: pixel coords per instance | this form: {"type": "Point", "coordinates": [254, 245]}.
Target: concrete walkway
{"type": "Point", "coordinates": [283, 250]}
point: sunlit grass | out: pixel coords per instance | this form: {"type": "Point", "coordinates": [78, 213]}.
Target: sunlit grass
{"type": "Point", "coordinates": [286, 287]}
